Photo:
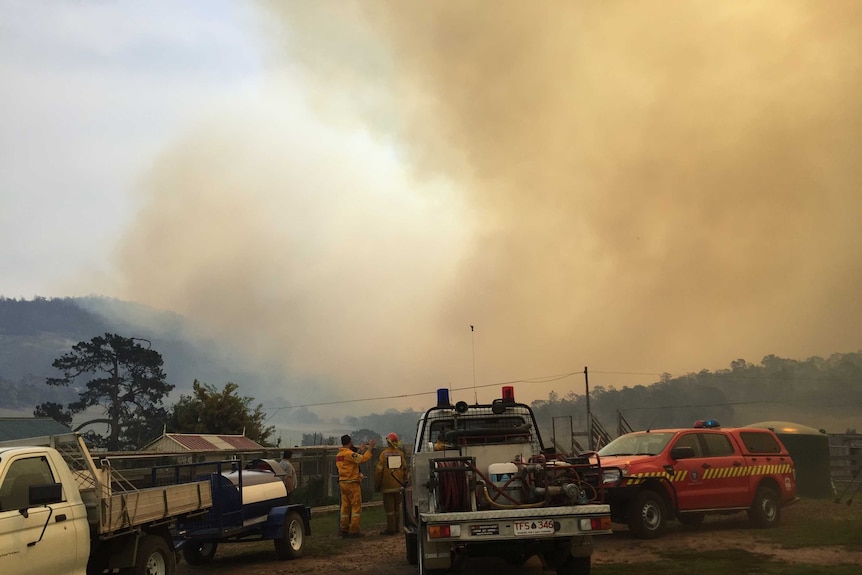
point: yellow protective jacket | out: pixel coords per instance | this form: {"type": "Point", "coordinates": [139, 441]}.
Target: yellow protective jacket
{"type": "Point", "coordinates": [347, 461]}
{"type": "Point", "coordinates": [386, 480]}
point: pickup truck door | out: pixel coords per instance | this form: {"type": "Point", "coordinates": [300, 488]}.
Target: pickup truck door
{"type": "Point", "coordinates": [713, 479]}
{"type": "Point", "coordinates": [24, 549]}
{"type": "Point", "coordinates": [727, 477]}
{"type": "Point", "coordinates": [691, 488]}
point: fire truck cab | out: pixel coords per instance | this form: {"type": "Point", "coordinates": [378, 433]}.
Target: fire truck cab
{"type": "Point", "coordinates": [652, 476]}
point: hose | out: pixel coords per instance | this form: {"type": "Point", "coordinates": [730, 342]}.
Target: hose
{"type": "Point", "coordinates": [453, 493]}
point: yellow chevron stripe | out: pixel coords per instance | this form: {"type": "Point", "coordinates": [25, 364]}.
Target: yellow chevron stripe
{"type": "Point", "coordinates": [712, 473]}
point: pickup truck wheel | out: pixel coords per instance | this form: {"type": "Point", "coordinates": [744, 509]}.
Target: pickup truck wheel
{"type": "Point", "coordinates": [766, 509]}
{"type": "Point", "coordinates": [647, 515]}
{"type": "Point", "coordinates": [199, 552]}
{"type": "Point", "coordinates": [290, 545]}
{"type": "Point", "coordinates": [412, 546]}
{"type": "Point", "coordinates": [575, 566]}
{"type": "Point", "coordinates": [154, 557]}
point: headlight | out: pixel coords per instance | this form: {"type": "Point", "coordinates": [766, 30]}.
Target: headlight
{"type": "Point", "coordinates": [611, 476]}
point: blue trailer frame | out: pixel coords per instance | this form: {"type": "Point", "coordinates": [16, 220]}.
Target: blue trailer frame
{"type": "Point", "coordinates": [232, 520]}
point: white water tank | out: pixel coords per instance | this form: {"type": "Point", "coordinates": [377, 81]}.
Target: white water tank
{"type": "Point", "coordinates": [505, 477]}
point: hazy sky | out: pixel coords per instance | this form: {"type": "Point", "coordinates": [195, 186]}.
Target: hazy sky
{"type": "Point", "coordinates": [344, 188]}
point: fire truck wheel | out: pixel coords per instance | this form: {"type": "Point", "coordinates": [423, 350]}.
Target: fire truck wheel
{"type": "Point", "coordinates": [411, 545]}
{"type": "Point", "coordinates": [289, 546]}
{"type": "Point", "coordinates": [199, 552]}
{"type": "Point", "coordinates": [154, 557]}
{"type": "Point", "coordinates": [766, 509]}
{"type": "Point", "coordinates": [647, 515]}
{"type": "Point", "coordinates": [575, 566]}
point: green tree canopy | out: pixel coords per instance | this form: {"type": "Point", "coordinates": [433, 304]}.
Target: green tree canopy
{"type": "Point", "coordinates": [208, 410]}
{"type": "Point", "coordinates": [124, 379]}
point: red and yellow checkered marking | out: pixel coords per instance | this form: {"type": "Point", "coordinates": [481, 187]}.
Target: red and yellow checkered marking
{"type": "Point", "coordinates": [712, 473]}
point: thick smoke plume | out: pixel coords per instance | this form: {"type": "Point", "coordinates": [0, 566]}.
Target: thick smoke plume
{"type": "Point", "coordinates": [634, 186]}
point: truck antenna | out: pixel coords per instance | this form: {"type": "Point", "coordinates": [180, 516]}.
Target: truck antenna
{"type": "Point", "coordinates": [473, 346]}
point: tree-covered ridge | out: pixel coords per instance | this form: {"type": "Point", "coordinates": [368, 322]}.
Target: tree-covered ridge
{"type": "Point", "coordinates": [55, 315]}
{"type": "Point", "coordinates": [35, 332]}
{"type": "Point", "coordinates": [813, 392]}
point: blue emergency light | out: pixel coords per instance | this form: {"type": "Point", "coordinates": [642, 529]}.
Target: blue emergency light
{"type": "Point", "coordinates": [706, 424]}
{"type": "Point", "coordinates": [443, 398]}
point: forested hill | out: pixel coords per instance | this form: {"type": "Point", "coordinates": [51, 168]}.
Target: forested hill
{"type": "Point", "coordinates": [823, 393]}
{"type": "Point", "coordinates": [33, 333]}
{"type": "Point", "coordinates": [816, 392]}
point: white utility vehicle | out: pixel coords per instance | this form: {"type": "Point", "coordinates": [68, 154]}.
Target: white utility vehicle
{"type": "Point", "coordinates": [482, 483]}
{"type": "Point", "coordinates": [61, 514]}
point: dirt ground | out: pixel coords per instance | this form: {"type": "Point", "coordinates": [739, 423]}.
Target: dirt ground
{"type": "Point", "coordinates": [384, 555]}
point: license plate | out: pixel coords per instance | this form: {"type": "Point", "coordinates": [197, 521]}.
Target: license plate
{"type": "Point", "coordinates": [534, 527]}
{"type": "Point", "coordinates": [480, 530]}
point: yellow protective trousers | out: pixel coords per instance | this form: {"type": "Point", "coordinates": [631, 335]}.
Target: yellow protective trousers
{"type": "Point", "coordinates": [351, 506]}
{"type": "Point", "coordinates": [392, 507]}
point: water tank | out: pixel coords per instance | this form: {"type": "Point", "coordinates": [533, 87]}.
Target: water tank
{"type": "Point", "coordinates": [505, 477]}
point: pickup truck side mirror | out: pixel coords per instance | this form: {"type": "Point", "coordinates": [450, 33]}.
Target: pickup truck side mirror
{"type": "Point", "coordinates": [393, 462]}
{"type": "Point", "coordinates": [46, 494]}
{"type": "Point", "coordinates": [682, 452]}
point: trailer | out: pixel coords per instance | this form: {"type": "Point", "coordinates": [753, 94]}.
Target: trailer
{"type": "Point", "coordinates": [249, 503]}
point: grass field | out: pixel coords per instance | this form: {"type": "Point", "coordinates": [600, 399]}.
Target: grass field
{"type": "Point", "coordinates": [722, 562]}
{"type": "Point", "coordinates": [814, 526]}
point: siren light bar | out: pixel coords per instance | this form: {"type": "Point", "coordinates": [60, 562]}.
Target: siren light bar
{"type": "Point", "coordinates": [444, 401]}
{"type": "Point", "coordinates": [706, 424]}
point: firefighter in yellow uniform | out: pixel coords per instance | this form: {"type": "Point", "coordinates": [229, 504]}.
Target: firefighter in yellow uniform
{"type": "Point", "coordinates": [388, 481]}
{"type": "Point", "coordinates": [347, 461]}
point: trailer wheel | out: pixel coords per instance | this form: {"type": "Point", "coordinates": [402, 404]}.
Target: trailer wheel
{"type": "Point", "coordinates": [412, 546]}
{"type": "Point", "coordinates": [199, 552]}
{"type": "Point", "coordinates": [290, 544]}
{"type": "Point", "coordinates": [154, 557]}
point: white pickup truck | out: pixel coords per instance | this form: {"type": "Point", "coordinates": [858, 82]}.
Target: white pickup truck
{"type": "Point", "coordinates": [483, 484]}
{"type": "Point", "coordinates": [60, 514]}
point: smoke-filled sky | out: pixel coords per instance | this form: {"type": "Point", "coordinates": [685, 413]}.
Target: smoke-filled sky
{"type": "Point", "coordinates": [344, 188]}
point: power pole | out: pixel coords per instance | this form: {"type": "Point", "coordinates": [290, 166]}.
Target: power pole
{"type": "Point", "coordinates": [590, 442]}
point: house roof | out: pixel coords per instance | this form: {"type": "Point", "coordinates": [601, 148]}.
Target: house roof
{"type": "Point", "coordinates": [12, 428]}
{"type": "Point", "coordinates": [209, 442]}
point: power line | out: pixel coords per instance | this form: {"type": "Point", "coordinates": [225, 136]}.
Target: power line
{"type": "Point", "coordinates": [545, 379]}
{"type": "Point", "coordinates": [558, 377]}
{"type": "Point", "coordinates": [700, 405]}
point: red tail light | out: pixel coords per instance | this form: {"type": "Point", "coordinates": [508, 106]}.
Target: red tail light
{"type": "Point", "coordinates": [438, 531]}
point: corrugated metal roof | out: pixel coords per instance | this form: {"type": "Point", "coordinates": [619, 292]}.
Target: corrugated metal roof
{"type": "Point", "coordinates": [26, 427]}
{"type": "Point", "coordinates": [213, 442]}
{"type": "Point", "coordinates": [240, 442]}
